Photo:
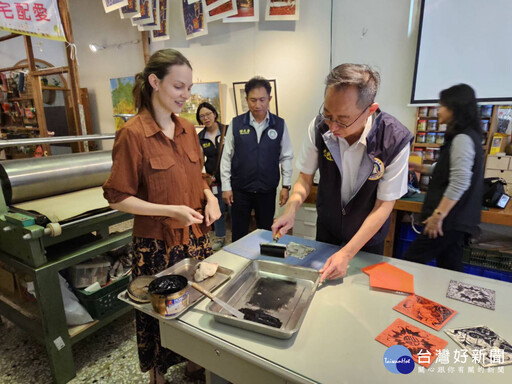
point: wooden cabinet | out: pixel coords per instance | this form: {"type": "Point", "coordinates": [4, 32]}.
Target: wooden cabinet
{"type": "Point", "coordinates": [305, 222]}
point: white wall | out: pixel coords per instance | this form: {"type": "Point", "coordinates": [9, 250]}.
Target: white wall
{"type": "Point", "coordinates": [376, 32]}
{"type": "Point", "coordinates": [294, 53]}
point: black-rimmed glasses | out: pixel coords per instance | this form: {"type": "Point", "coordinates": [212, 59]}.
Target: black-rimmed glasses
{"type": "Point", "coordinates": [330, 120]}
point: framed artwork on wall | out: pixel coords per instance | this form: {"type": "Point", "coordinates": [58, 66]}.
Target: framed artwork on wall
{"type": "Point", "coordinates": [201, 92]}
{"type": "Point", "coordinates": [282, 10]}
{"type": "Point", "coordinates": [241, 98]}
{"type": "Point", "coordinates": [122, 99]}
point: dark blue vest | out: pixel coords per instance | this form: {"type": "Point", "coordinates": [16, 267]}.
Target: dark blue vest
{"type": "Point", "coordinates": [466, 214]}
{"type": "Point", "coordinates": [255, 166]}
{"type": "Point", "coordinates": [338, 223]}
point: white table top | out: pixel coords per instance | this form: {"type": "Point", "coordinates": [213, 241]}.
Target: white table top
{"type": "Point", "coordinates": [336, 342]}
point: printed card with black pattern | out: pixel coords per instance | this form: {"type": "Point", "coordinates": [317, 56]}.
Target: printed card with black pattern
{"type": "Point", "coordinates": [471, 294]}
{"type": "Point", "coordinates": [428, 312]}
{"type": "Point", "coordinates": [422, 345]}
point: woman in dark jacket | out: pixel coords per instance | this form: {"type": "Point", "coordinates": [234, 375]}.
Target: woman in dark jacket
{"type": "Point", "coordinates": [453, 203]}
{"type": "Point", "coordinates": [210, 138]}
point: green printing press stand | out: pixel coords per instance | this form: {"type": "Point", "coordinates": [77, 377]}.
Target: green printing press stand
{"type": "Point", "coordinates": [40, 248]}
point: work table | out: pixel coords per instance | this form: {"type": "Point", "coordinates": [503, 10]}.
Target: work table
{"type": "Point", "coordinates": [336, 342]}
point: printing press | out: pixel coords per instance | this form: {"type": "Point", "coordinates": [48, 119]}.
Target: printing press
{"type": "Point", "coordinates": [53, 216]}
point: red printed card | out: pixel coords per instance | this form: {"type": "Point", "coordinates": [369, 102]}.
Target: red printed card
{"type": "Point", "coordinates": [428, 312]}
{"type": "Point", "coordinates": [421, 344]}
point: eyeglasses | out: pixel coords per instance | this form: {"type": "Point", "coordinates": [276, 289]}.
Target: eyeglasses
{"type": "Point", "coordinates": [208, 114]}
{"type": "Point", "coordinates": [330, 120]}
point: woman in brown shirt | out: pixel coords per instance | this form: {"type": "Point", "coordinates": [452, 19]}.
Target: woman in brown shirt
{"type": "Point", "coordinates": [156, 175]}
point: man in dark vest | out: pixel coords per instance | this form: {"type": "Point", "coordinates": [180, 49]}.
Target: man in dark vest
{"type": "Point", "coordinates": [256, 144]}
{"type": "Point", "coordinates": [362, 155]}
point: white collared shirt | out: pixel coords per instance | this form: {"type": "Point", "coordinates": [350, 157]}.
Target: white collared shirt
{"type": "Point", "coordinates": [285, 157]}
{"type": "Point", "coordinates": [393, 183]}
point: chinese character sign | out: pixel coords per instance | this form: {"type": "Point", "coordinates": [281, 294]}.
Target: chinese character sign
{"type": "Point", "coordinates": [38, 18]}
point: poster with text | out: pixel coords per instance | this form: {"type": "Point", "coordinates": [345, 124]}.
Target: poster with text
{"type": "Point", "coordinates": [39, 19]}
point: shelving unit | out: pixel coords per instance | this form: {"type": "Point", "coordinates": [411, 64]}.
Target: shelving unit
{"type": "Point", "coordinates": [429, 147]}
{"type": "Point", "coordinates": [76, 98]}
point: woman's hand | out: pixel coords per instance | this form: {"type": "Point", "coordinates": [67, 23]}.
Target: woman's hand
{"type": "Point", "coordinates": [434, 226]}
{"type": "Point", "coordinates": [186, 216]}
{"type": "Point", "coordinates": [211, 211]}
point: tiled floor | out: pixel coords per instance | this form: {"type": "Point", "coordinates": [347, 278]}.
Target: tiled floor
{"type": "Point", "coordinates": [108, 356]}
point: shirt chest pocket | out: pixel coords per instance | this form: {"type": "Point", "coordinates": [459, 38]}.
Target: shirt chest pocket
{"type": "Point", "coordinates": [160, 178]}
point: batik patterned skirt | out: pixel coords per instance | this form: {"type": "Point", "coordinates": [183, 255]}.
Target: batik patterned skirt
{"type": "Point", "coordinates": [150, 258]}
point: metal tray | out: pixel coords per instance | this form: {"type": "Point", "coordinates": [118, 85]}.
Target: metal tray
{"type": "Point", "coordinates": [281, 290]}
{"type": "Point", "coordinates": [185, 267]}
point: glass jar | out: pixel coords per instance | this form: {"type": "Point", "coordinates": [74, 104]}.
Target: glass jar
{"type": "Point", "coordinates": [421, 137]}
{"type": "Point", "coordinates": [429, 154]}
{"type": "Point", "coordinates": [442, 127]}
{"type": "Point", "coordinates": [419, 152]}
{"type": "Point", "coordinates": [486, 110]}
{"type": "Point", "coordinates": [423, 111]}
{"type": "Point", "coordinates": [422, 125]}
{"type": "Point", "coordinates": [432, 112]}
{"type": "Point", "coordinates": [484, 124]}
{"type": "Point", "coordinates": [431, 138]}
{"type": "Point", "coordinates": [432, 125]}
{"type": "Point", "coordinates": [440, 138]}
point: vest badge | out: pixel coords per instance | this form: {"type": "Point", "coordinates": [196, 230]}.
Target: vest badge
{"type": "Point", "coordinates": [272, 133]}
{"type": "Point", "coordinates": [328, 155]}
{"type": "Point", "coordinates": [207, 144]}
{"type": "Point", "coordinates": [245, 131]}
{"type": "Point", "coordinates": [378, 170]}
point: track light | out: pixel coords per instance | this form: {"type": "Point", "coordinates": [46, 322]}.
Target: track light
{"type": "Point", "coordinates": [96, 47]}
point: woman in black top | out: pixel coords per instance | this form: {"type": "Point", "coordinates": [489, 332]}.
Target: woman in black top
{"type": "Point", "coordinates": [453, 203]}
{"type": "Point", "coordinates": [210, 138]}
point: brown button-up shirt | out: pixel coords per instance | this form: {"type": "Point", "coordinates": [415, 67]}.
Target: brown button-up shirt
{"type": "Point", "coordinates": [149, 165]}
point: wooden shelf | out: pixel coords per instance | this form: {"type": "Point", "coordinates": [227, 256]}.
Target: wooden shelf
{"type": "Point", "coordinates": [433, 145]}
{"type": "Point", "coordinates": [430, 132]}
{"type": "Point", "coordinates": [49, 87]}
{"type": "Point", "coordinates": [426, 118]}
{"type": "Point", "coordinates": [20, 98]}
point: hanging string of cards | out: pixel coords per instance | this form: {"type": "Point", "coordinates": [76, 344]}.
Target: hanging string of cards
{"type": "Point", "coordinates": [153, 15]}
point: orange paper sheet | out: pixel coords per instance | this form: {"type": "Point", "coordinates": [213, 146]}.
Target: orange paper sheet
{"type": "Point", "coordinates": [388, 277]}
